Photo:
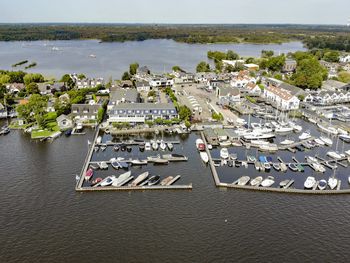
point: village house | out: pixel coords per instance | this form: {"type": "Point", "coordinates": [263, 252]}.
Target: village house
{"type": "Point", "coordinates": [345, 58]}
{"type": "Point", "coordinates": [289, 66]}
{"type": "Point", "coordinates": [228, 95]}
{"type": "Point", "coordinates": [88, 83]}
{"type": "Point", "coordinates": [251, 67]}
{"type": "Point", "coordinates": [204, 77]}
{"type": "Point", "coordinates": [119, 96]}
{"type": "Point", "coordinates": [64, 122]}
{"type": "Point", "coordinates": [161, 82]}
{"type": "Point", "coordinates": [183, 77]}
{"type": "Point", "coordinates": [85, 112]}
{"type": "Point", "coordinates": [332, 85]}
{"type": "Point", "coordinates": [324, 98]}
{"type": "Point", "coordinates": [141, 112]}
{"type": "Point", "coordinates": [14, 88]}
{"type": "Point", "coordinates": [242, 79]}
{"type": "Point", "coordinates": [281, 98]}
{"type": "Point", "coordinates": [143, 86]}
{"type": "Point", "coordinates": [252, 89]}
{"type": "Point", "coordinates": [142, 72]}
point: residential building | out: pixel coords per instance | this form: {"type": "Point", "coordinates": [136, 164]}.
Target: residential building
{"type": "Point", "coordinates": [281, 98]}
{"type": "Point", "coordinates": [289, 66]}
{"type": "Point", "coordinates": [88, 83]}
{"type": "Point", "coordinates": [251, 67]}
{"type": "Point", "coordinates": [345, 59]}
{"type": "Point", "coordinates": [332, 85]}
{"type": "Point", "coordinates": [141, 112]}
{"type": "Point", "coordinates": [161, 82]}
{"type": "Point", "coordinates": [143, 72]}
{"type": "Point", "coordinates": [64, 122]}
{"type": "Point", "coordinates": [324, 98]}
{"type": "Point", "coordinates": [3, 111]}
{"type": "Point", "coordinates": [252, 89]}
{"type": "Point", "coordinates": [228, 95]}
{"type": "Point", "coordinates": [119, 96]}
{"type": "Point", "coordinates": [183, 77]}
{"type": "Point", "coordinates": [15, 87]}
{"type": "Point", "coordinates": [85, 112]}
{"type": "Point", "coordinates": [204, 77]}
{"type": "Point", "coordinates": [143, 86]}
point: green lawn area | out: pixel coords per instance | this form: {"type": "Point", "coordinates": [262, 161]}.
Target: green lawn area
{"type": "Point", "coordinates": [43, 133]}
{"type": "Point", "coordinates": [15, 125]}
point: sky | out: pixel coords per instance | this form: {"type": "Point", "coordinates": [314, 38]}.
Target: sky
{"type": "Point", "coordinates": [176, 11]}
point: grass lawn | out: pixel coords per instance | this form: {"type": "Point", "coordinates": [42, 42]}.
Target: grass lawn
{"type": "Point", "coordinates": [43, 133]}
{"type": "Point", "coordinates": [15, 125]}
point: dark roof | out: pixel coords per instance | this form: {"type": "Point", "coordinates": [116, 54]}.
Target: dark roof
{"type": "Point", "coordinates": [128, 95]}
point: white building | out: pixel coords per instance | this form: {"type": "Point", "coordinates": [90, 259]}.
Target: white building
{"type": "Point", "coordinates": [281, 98]}
{"type": "Point", "coordinates": [345, 59]}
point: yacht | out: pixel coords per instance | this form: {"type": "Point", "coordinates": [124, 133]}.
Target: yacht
{"type": "Point", "coordinates": [258, 143]}
{"type": "Point", "coordinates": [138, 162]}
{"type": "Point", "coordinates": [342, 132]}
{"type": "Point", "coordinates": [243, 180]}
{"type": "Point", "coordinates": [103, 165]}
{"type": "Point", "coordinates": [310, 182]}
{"type": "Point", "coordinates": [267, 182]}
{"type": "Point", "coordinates": [258, 136]}
{"type": "Point", "coordinates": [175, 157]}
{"type": "Point", "coordinates": [344, 137]}
{"type": "Point", "coordinates": [322, 184]}
{"type": "Point", "coordinates": [162, 145]}
{"type": "Point", "coordinates": [121, 179]}
{"type": "Point", "coordinates": [225, 143]}
{"type": "Point", "coordinates": [329, 130]}
{"type": "Point", "coordinates": [326, 140]}
{"type": "Point", "coordinates": [335, 155]}
{"type": "Point", "coordinates": [332, 182]}
{"type": "Point", "coordinates": [224, 153]}
{"type": "Point", "coordinates": [204, 157]}
{"type": "Point", "coordinates": [286, 142]}
{"type": "Point", "coordinates": [304, 136]}
{"type": "Point", "coordinates": [142, 177]}
{"type": "Point", "coordinates": [319, 142]}
{"type": "Point", "coordinates": [256, 181]}
{"type": "Point", "coordinates": [155, 146]}
{"type": "Point", "coordinates": [283, 129]}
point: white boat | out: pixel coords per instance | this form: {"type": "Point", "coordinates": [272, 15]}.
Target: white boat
{"type": "Point", "coordinates": [332, 182]}
{"type": "Point", "coordinates": [118, 182]}
{"type": "Point", "coordinates": [347, 152]}
{"type": "Point", "coordinates": [310, 182]}
{"type": "Point", "coordinates": [322, 184]}
{"type": "Point", "coordinates": [103, 165]}
{"type": "Point", "coordinates": [326, 140]}
{"type": "Point", "coordinates": [155, 146]}
{"type": "Point", "coordinates": [312, 120]}
{"type": "Point", "coordinates": [282, 129]}
{"type": "Point", "coordinates": [349, 179]}
{"type": "Point", "coordinates": [267, 182]}
{"type": "Point", "coordinates": [329, 130]}
{"type": "Point", "coordinates": [107, 181]}
{"type": "Point", "coordinates": [148, 146]}
{"type": "Point", "coordinates": [335, 155]}
{"type": "Point", "coordinates": [342, 132]}
{"type": "Point", "coordinates": [258, 143]}
{"type": "Point", "coordinates": [225, 143]}
{"type": "Point", "coordinates": [204, 157]}
{"type": "Point", "coordinates": [258, 136]}
{"type": "Point", "coordinates": [198, 142]}
{"type": "Point", "coordinates": [224, 153]}
{"type": "Point", "coordinates": [286, 142]}
{"type": "Point", "coordinates": [210, 147]}
{"type": "Point", "coordinates": [256, 181]}
{"type": "Point", "coordinates": [142, 177]}
{"type": "Point", "coordinates": [138, 162]}
{"type": "Point", "coordinates": [243, 180]}
{"type": "Point", "coordinates": [319, 142]}
{"type": "Point", "coordinates": [297, 128]}
{"type": "Point", "coordinates": [170, 146]}
{"type": "Point", "coordinates": [99, 140]}
{"type": "Point", "coordinates": [162, 145]}
{"type": "Point", "coordinates": [304, 136]}
{"type": "Point", "coordinates": [344, 137]}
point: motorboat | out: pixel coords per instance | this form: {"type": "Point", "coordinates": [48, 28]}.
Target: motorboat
{"type": "Point", "coordinates": [166, 180]}
{"type": "Point", "coordinates": [107, 181]}
{"type": "Point", "coordinates": [98, 140]}
{"type": "Point", "coordinates": [155, 146]}
{"type": "Point", "coordinates": [284, 183]}
{"type": "Point", "coordinates": [283, 129]}
{"type": "Point", "coordinates": [297, 128]}
{"type": "Point", "coordinates": [335, 155]}
{"type": "Point", "coordinates": [204, 157]}
{"type": "Point", "coordinates": [347, 152]}
{"type": "Point", "coordinates": [123, 164]}
{"type": "Point", "coordinates": [267, 182]}
{"type": "Point", "coordinates": [322, 184]}
{"type": "Point", "coordinates": [103, 147]}
{"type": "Point", "coordinates": [122, 179]}
{"type": "Point", "coordinates": [258, 136]}
{"type": "Point", "coordinates": [162, 145]}
{"type": "Point", "coordinates": [326, 140]}
{"type": "Point", "coordinates": [319, 142]}
{"type": "Point", "coordinates": [349, 179]}
{"type": "Point", "coordinates": [300, 167]}
{"type": "Point", "coordinates": [88, 175]}
{"type": "Point", "coordinates": [148, 146]}
{"type": "Point", "coordinates": [243, 180]}
{"type": "Point", "coordinates": [175, 157]}
{"type": "Point", "coordinates": [103, 165]}
{"type": "Point", "coordinates": [94, 166]}
{"type": "Point", "coordinates": [157, 160]}
{"type": "Point", "coordinates": [210, 147]}
{"type": "Point", "coordinates": [230, 163]}
{"type": "Point", "coordinates": [256, 181]}
{"type": "Point", "coordinates": [232, 156]}
{"type": "Point", "coordinates": [310, 182]}
{"type": "Point", "coordinates": [199, 142]}
{"type": "Point", "coordinates": [251, 158]}
{"type": "Point", "coordinates": [284, 167]}
{"type": "Point", "coordinates": [96, 149]}
{"type": "Point", "coordinates": [258, 143]}
{"type": "Point", "coordinates": [123, 147]}
{"type": "Point", "coordinates": [225, 143]}
{"type": "Point", "coordinates": [293, 167]}
{"type": "Point", "coordinates": [257, 166]}
{"type": "Point", "coordinates": [344, 137]}
{"type": "Point", "coordinates": [153, 180]}
{"type": "Point", "coordinates": [224, 153]}
{"type": "Point", "coordinates": [276, 166]}
{"type": "Point", "coordinates": [304, 136]}
{"type": "Point", "coordinates": [142, 177]}
{"type": "Point", "coordinates": [286, 142]}
{"type": "Point", "coordinates": [96, 181]}
{"type": "Point", "coordinates": [115, 164]}
{"type": "Point", "coordinates": [138, 162]}
{"type": "Point", "coordinates": [237, 143]}
{"type": "Point", "coordinates": [329, 130]}
{"type": "Point", "coordinates": [332, 182]}
{"type": "Point", "coordinates": [170, 146]}
{"type": "Point", "coordinates": [267, 166]}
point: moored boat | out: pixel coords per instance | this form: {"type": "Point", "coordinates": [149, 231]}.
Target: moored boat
{"type": "Point", "coordinates": [335, 155]}
{"type": "Point", "coordinates": [304, 136]}
{"type": "Point", "coordinates": [96, 181]}
{"type": "Point", "coordinates": [121, 178]}
{"type": "Point", "coordinates": [276, 166]}
{"type": "Point", "coordinates": [267, 182]}
{"type": "Point", "coordinates": [345, 138]}
{"type": "Point", "coordinates": [310, 182]}
{"type": "Point", "coordinates": [332, 182]}
{"type": "Point", "coordinates": [243, 180]}
{"type": "Point", "coordinates": [107, 181]}
{"type": "Point", "coordinates": [148, 146]}
{"type": "Point", "coordinates": [142, 177]}
{"type": "Point", "coordinates": [155, 146]}
{"type": "Point", "coordinates": [162, 145]}
{"type": "Point", "coordinates": [170, 146]}
{"type": "Point", "coordinates": [319, 142]}
{"type": "Point", "coordinates": [326, 140]}
{"type": "Point", "coordinates": [166, 181]}
{"type": "Point", "coordinates": [286, 142]}
{"type": "Point", "coordinates": [204, 157]}
{"type": "Point", "coordinates": [225, 143]}
{"type": "Point", "coordinates": [224, 154]}
{"type": "Point", "coordinates": [153, 180]}
{"type": "Point", "coordinates": [293, 167]}
{"type": "Point", "coordinates": [256, 181]}
{"type": "Point", "coordinates": [138, 162]}
{"type": "Point", "coordinates": [103, 165]}
{"type": "Point", "coordinates": [329, 130]}
{"type": "Point", "coordinates": [175, 157]}
{"type": "Point", "coordinates": [88, 175]}
{"type": "Point", "coordinates": [284, 183]}
{"type": "Point", "coordinates": [322, 184]}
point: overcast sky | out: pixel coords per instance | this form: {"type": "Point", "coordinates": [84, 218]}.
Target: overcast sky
{"type": "Point", "coordinates": [176, 11]}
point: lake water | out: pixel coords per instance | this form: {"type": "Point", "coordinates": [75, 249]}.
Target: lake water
{"type": "Point", "coordinates": [56, 58]}
{"type": "Point", "coordinates": [43, 219]}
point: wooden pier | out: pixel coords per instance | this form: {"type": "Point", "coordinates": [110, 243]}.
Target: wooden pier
{"type": "Point", "coordinates": [135, 188]}
{"type": "Point", "coordinates": [211, 163]}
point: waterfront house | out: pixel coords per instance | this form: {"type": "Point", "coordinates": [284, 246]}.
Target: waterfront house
{"type": "Point", "coordinates": [204, 77]}
{"type": "Point", "coordinates": [143, 86]}
{"type": "Point", "coordinates": [85, 112]}
{"type": "Point", "coordinates": [141, 112]}
{"type": "Point", "coordinates": [15, 87]}
{"type": "Point", "coordinates": [332, 85]}
{"type": "Point", "coordinates": [64, 122]}
{"type": "Point", "coordinates": [228, 95]}
{"type": "Point", "coordinates": [161, 82]}
{"type": "Point", "coordinates": [290, 65]}
{"type": "Point", "coordinates": [281, 98]}
{"type": "Point", "coordinates": [142, 72]}
{"type": "Point", "coordinates": [252, 89]}
{"type": "Point", "coordinates": [183, 77]}
{"type": "Point", "coordinates": [211, 136]}
{"type": "Point", "coordinates": [88, 83]}
{"type": "Point", "coordinates": [325, 98]}
{"type": "Point", "coordinates": [345, 59]}
{"type": "Point", "coordinates": [119, 96]}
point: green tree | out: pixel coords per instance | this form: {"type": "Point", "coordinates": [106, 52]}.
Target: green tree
{"type": "Point", "coordinates": [276, 63]}
{"type": "Point", "coordinates": [126, 76]}
{"type": "Point", "coordinates": [203, 67]}
{"type": "Point", "coordinates": [2, 91]}
{"type": "Point", "coordinates": [33, 77]}
{"type": "Point", "coordinates": [231, 55]}
{"type": "Point", "coordinates": [219, 66]}
{"type": "Point", "coordinates": [81, 76]}
{"type": "Point", "coordinates": [133, 68]}
{"type": "Point", "coordinates": [68, 81]}
{"type": "Point", "coordinates": [309, 74]}
{"type": "Point", "coordinates": [4, 78]}
{"type": "Point", "coordinates": [32, 88]}
{"type": "Point", "coordinates": [177, 69]}
{"type": "Point", "coordinates": [344, 76]}
{"type": "Point", "coordinates": [331, 56]}
{"type": "Point", "coordinates": [16, 76]}
{"type": "Point", "coordinates": [151, 93]}
{"type": "Point", "coordinates": [34, 110]}
{"type": "Point", "coordinates": [185, 113]}
{"type": "Point", "coordinates": [267, 53]}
